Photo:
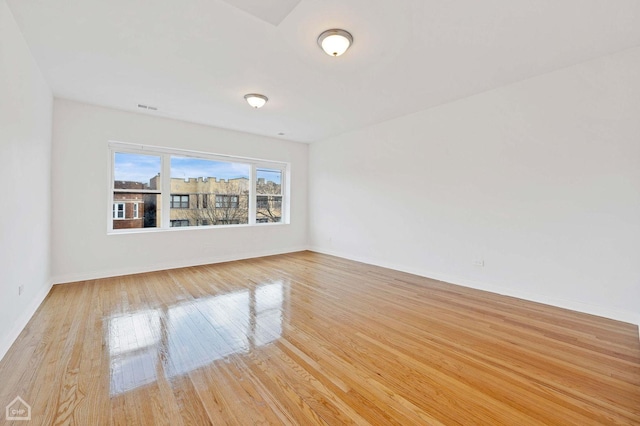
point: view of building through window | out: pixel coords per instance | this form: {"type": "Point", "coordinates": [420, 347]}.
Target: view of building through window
{"type": "Point", "coordinates": [202, 192]}
{"type": "Point", "coordinates": [136, 199]}
{"type": "Point", "coordinates": [268, 196]}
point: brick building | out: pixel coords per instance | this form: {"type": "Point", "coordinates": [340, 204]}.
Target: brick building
{"type": "Point", "coordinates": [201, 201]}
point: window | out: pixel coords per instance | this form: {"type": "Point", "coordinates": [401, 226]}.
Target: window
{"type": "Point", "coordinates": [176, 188]}
{"type": "Point", "coordinates": [266, 202]}
{"type": "Point", "coordinates": [118, 211]}
{"type": "Point", "coordinates": [135, 182]}
{"type": "Point", "coordinates": [263, 202]}
{"type": "Point", "coordinates": [227, 201]}
{"type": "Point", "coordinates": [268, 195]}
{"type": "Point", "coordinates": [179, 222]}
{"type": "Point", "coordinates": [179, 201]}
{"type": "Point", "coordinates": [225, 183]}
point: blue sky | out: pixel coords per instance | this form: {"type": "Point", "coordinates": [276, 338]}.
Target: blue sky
{"type": "Point", "coordinates": [184, 167]}
{"type": "Point", "coordinates": [136, 167]}
{"type": "Point", "coordinates": [141, 168]}
{"type": "Point", "coordinates": [269, 175]}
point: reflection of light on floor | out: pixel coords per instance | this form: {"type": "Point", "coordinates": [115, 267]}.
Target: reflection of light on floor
{"type": "Point", "coordinates": [189, 335]}
{"type": "Point", "coordinates": [207, 330]}
{"type": "Point", "coordinates": [132, 347]}
{"type": "Point", "coordinates": [269, 300]}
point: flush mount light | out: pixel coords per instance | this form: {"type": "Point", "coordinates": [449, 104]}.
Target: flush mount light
{"type": "Point", "coordinates": [256, 100]}
{"type": "Point", "coordinates": [335, 42]}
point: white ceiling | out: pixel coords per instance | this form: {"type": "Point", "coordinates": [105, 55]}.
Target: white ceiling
{"type": "Point", "coordinates": [195, 59]}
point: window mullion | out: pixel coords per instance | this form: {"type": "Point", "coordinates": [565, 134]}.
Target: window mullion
{"type": "Point", "coordinates": [165, 190]}
{"type": "Point", "coordinates": [252, 195]}
{"type": "Point", "coordinates": [112, 160]}
{"type": "Point", "coordinates": [285, 194]}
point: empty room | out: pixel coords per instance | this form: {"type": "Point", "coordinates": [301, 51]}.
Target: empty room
{"type": "Point", "coordinates": [329, 212]}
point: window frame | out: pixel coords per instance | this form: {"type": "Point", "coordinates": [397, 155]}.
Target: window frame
{"type": "Point", "coordinates": [227, 201]}
{"type": "Point", "coordinates": [180, 202]}
{"type": "Point", "coordinates": [117, 210]}
{"type": "Point", "coordinates": [164, 225]}
{"type": "Point", "coordinates": [270, 199]}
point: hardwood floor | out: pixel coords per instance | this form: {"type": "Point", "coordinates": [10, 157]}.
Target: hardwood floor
{"type": "Point", "coordinates": [308, 339]}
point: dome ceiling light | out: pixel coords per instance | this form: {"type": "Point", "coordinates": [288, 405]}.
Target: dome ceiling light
{"type": "Point", "coordinates": [335, 42]}
{"type": "Point", "coordinates": [256, 100]}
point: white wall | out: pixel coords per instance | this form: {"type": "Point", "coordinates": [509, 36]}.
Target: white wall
{"type": "Point", "coordinates": [541, 179]}
{"type": "Point", "coordinates": [81, 247]}
{"type": "Point", "coordinates": [25, 150]}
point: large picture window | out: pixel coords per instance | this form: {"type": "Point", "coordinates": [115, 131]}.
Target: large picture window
{"type": "Point", "coordinates": [165, 188]}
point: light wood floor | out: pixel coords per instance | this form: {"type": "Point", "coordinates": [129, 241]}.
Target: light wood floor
{"type": "Point", "coordinates": [309, 339]}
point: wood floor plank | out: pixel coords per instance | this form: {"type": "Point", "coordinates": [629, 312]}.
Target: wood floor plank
{"type": "Point", "coordinates": [305, 338]}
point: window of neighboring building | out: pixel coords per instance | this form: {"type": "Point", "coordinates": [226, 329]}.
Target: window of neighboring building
{"type": "Point", "coordinates": [266, 202]}
{"type": "Point", "coordinates": [179, 201]}
{"type": "Point", "coordinates": [118, 211]}
{"type": "Point", "coordinates": [262, 202]}
{"type": "Point", "coordinates": [171, 188]}
{"type": "Point", "coordinates": [179, 222]}
{"type": "Point", "coordinates": [227, 201]}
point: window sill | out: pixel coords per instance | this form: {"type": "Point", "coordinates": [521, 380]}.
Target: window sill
{"type": "Point", "coordinates": [190, 228]}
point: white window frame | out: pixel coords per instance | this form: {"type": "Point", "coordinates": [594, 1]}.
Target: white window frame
{"type": "Point", "coordinates": [165, 185]}
{"type": "Point", "coordinates": [281, 195]}
{"type": "Point", "coordinates": [116, 210]}
{"type": "Point", "coordinates": [136, 211]}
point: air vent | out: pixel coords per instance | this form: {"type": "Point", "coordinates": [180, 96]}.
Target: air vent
{"type": "Point", "coordinates": [150, 108]}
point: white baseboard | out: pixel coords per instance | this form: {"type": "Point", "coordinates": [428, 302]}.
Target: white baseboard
{"type": "Point", "coordinates": [69, 278]}
{"type": "Point", "coordinates": [23, 320]}
{"type": "Point", "coordinates": [618, 315]}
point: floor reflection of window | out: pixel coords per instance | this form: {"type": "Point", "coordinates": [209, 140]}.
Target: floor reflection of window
{"type": "Point", "coordinates": [207, 330]}
{"type": "Point", "coordinates": [191, 334]}
{"type": "Point", "coordinates": [268, 313]}
{"type": "Point", "coordinates": [132, 332]}
{"type": "Point", "coordinates": [133, 349]}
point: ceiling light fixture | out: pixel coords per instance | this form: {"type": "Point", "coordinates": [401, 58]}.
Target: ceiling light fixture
{"type": "Point", "coordinates": [256, 100]}
{"type": "Point", "coordinates": [335, 42]}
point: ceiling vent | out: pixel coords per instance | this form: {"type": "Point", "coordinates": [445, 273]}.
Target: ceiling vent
{"type": "Point", "coordinates": [150, 108]}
